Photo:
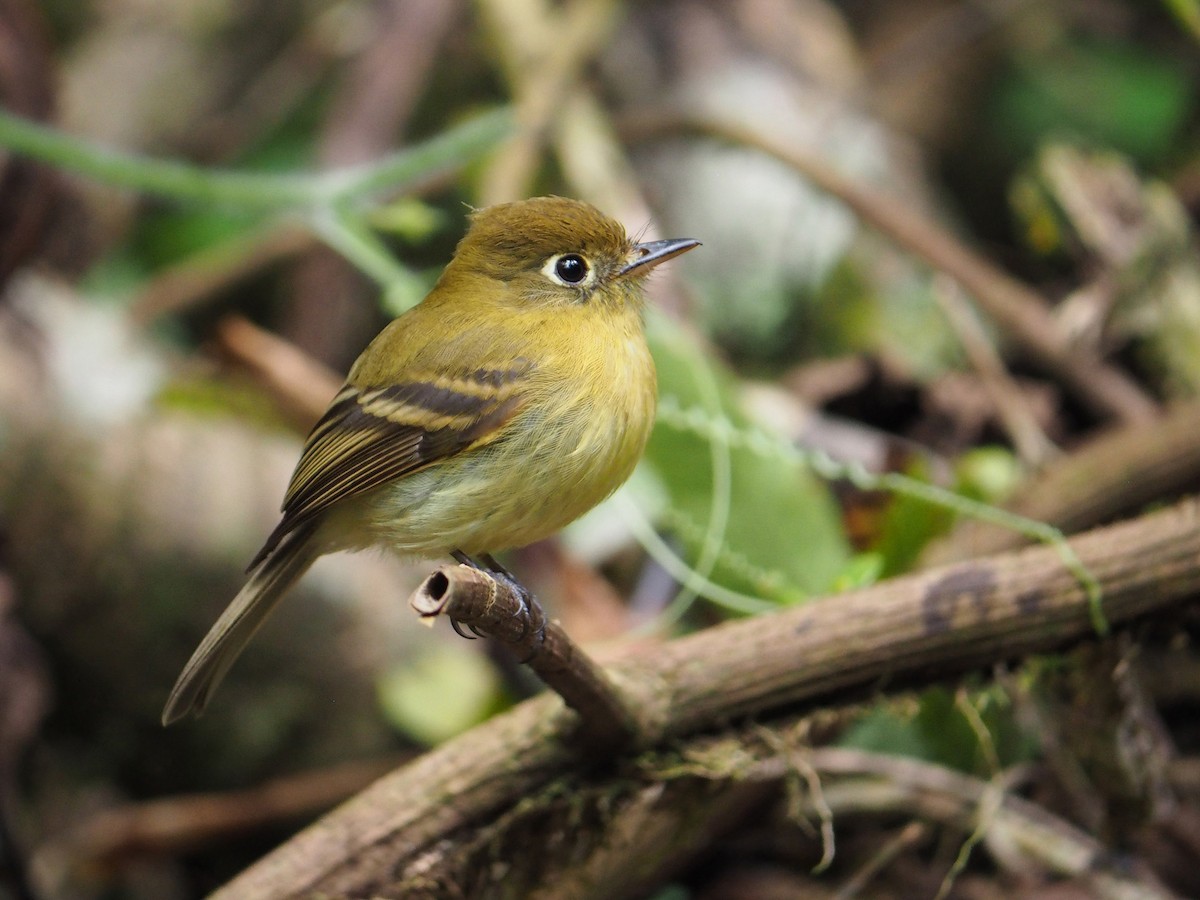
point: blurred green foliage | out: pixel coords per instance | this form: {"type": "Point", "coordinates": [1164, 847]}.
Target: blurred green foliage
{"type": "Point", "coordinates": [778, 527]}
{"type": "Point", "coordinates": [939, 730]}
{"type": "Point", "coordinates": [442, 693]}
{"type": "Point", "coordinates": [1112, 93]}
{"type": "Point", "coordinates": [986, 474]}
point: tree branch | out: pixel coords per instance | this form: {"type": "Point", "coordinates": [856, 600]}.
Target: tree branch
{"type": "Point", "coordinates": [903, 631]}
{"type": "Point", "coordinates": [497, 609]}
{"type": "Point", "coordinates": [1122, 470]}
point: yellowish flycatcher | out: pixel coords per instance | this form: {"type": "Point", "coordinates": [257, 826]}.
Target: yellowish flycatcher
{"type": "Point", "coordinates": [515, 397]}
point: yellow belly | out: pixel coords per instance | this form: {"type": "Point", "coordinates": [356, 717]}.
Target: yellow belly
{"type": "Point", "coordinates": [566, 451]}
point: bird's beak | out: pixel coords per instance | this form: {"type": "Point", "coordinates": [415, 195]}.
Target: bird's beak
{"type": "Point", "coordinates": [648, 255]}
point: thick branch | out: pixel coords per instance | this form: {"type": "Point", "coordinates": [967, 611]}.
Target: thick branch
{"type": "Point", "coordinates": [909, 629]}
{"type": "Point", "coordinates": [1120, 471]}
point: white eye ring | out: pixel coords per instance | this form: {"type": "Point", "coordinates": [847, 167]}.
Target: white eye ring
{"type": "Point", "coordinates": [569, 270]}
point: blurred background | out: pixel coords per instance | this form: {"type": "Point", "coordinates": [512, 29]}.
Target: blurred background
{"type": "Point", "coordinates": [161, 359]}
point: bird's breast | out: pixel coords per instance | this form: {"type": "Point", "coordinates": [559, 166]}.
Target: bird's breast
{"type": "Point", "coordinates": [585, 415]}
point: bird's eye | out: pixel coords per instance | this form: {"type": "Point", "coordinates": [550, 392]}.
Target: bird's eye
{"type": "Point", "coordinates": [571, 268]}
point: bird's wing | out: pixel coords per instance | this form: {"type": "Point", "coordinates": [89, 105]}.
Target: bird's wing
{"type": "Point", "coordinates": [370, 436]}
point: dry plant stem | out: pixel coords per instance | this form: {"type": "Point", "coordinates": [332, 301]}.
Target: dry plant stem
{"type": "Point", "coordinates": [1020, 834]}
{"type": "Point", "coordinates": [183, 285]}
{"type": "Point", "coordinates": [556, 105]}
{"type": "Point", "coordinates": [300, 384]}
{"type": "Point", "coordinates": [903, 631]}
{"type": "Point", "coordinates": [909, 837]}
{"type": "Point", "coordinates": [713, 784]}
{"type": "Point", "coordinates": [543, 49]}
{"type": "Point", "coordinates": [174, 825]}
{"type": "Point", "coordinates": [1018, 309]}
{"type": "Point", "coordinates": [1119, 471]}
{"type": "Point", "coordinates": [1032, 444]}
{"type": "Point", "coordinates": [493, 608]}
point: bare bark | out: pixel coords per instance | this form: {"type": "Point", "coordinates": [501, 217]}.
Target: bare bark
{"type": "Point", "coordinates": [501, 609]}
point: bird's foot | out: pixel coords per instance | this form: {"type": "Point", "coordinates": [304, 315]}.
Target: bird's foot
{"type": "Point", "coordinates": [529, 610]}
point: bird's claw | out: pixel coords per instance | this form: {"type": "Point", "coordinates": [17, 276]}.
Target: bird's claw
{"type": "Point", "coordinates": [528, 609]}
{"type": "Point", "coordinates": [457, 626]}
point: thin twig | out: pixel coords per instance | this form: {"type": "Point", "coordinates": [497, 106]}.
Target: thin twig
{"type": "Point", "coordinates": [179, 824]}
{"type": "Point", "coordinates": [180, 286]}
{"type": "Point", "coordinates": [1021, 833]}
{"type": "Point", "coordinates": [494, 608]}
{"type": "Point", "coordinates": [908, 837]}
{"type": "Point", "coordinates": [1032, 444]}
{"type": "Point", "coordinates": [301, 385]}
{"type": "Point", "coordinates": [758, 441]}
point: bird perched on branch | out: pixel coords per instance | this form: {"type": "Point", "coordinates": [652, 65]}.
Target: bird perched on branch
{"type": "Point", "coordinates": [515, 397]}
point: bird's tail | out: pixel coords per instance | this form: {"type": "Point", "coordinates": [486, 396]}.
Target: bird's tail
{"type": "Point", "coordinates": [268, 582]}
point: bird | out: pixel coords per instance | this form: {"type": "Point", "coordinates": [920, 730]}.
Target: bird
{"type": "Point", "coordinates": [518, 394]}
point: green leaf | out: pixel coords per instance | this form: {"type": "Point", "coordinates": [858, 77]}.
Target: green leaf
{"type": "Point", "coordinates": [781, 537]}
{"type": "Point", "coordinates": [938, 731]}
{"type": "Point", "coordinates": [986, 474]}
{"type": "Point", "coordinates": [409, 219]}
{"type": "Point", "coordinates": [173, 235]}
{"type": "Point", "coordinates": [908, 525]}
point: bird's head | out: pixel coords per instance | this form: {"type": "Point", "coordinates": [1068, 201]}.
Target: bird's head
{"type": "Point", "coordinates": [552, 250]}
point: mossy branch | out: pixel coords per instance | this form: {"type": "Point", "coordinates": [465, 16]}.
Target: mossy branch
{"type": "Point", "coordinates": [900, 632]}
